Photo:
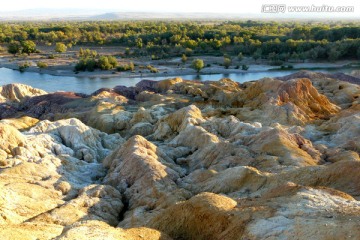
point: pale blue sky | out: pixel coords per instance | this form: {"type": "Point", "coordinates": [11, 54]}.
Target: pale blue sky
{"type": "Point", "coordinates": [222, 6]}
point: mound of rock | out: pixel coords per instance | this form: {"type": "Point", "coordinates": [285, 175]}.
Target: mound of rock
{"type": "Point", "coordinates": [100, 230]}
{"type": "Point", "coordinates": [143, 173]}
{"type": "Point", "coordinates": [178, 159]}
{"type": "Point", "coordinates": [81, 141]}
{"type": "Point", "coordinates": [18, 92]}
{"type": "Point", "coordinates": [292, 102]}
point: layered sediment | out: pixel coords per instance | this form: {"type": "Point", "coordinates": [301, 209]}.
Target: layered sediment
{"type": "Point", "coordinates": [177, 159]}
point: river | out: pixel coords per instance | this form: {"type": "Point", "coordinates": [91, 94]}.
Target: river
{"type": "Point", "coordinates": [88, 85]}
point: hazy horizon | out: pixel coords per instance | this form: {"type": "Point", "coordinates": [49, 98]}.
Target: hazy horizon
{"type": "Point", "coordinates": [19, 8]}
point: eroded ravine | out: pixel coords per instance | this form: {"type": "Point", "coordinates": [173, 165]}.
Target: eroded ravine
{"type": "Point", "coordinates": [183, 160]}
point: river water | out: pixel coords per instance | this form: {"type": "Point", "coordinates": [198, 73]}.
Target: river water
{"type": "Point", "coordinates": [88, 85]}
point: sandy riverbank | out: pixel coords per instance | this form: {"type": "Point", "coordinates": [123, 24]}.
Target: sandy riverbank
{"type": "Point", "coordinates": [64, 66]}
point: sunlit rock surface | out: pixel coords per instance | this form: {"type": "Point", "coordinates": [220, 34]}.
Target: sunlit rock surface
{"type": "Point", "coordinates": [177, 159]}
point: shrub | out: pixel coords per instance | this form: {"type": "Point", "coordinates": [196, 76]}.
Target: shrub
{"type": "Point", "coordinates": [132, 66]}
{"type": "Point", "coordinates": [152, 69]}
{"type": "Point", "coordinates": [23, 66]}
{"type": "Point", "coordinates": [127, 51]}
{"type": "Point", "coordinates": [87, 53]}
{"type": "Point", "coordinates": [103, 63]}
{"type": "Point", "coordinates": [113, 62]}
{"type": "Point", "coordinates": [126, 67]}
{"type": "Point", "coordinates": [42, 65]}
{"type": "Point", "coordinates": [244, 67]}
{"type": "Point", "coordinates": [81, 65]}
{"type": "Point", "coordinates": [86, 64]}
{"type": "Point", "coordinates": [154, 57]}
{"type": "Point", "coordinates": [60, 48]}
{"type": "Point", "coordinates": [90, 64]}
{"type": "Point", "coordinates": [240, 56]}
{"type": "Point", "coordinates": [188, 51]}
{"type": "Point", "coordinates": [123, 68]}
{"type": "Point", "coordinates": [183, 58]}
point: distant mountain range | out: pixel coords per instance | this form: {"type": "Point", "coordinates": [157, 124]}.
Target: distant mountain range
{"type": "Point", "coordinates": [50, 14]}
{"type": "Point", "coordinates": [43, 14]}
{"type": "Point", "coordinates": [95, 14]}
{"type": "Point", "coordinates": [157, 15]}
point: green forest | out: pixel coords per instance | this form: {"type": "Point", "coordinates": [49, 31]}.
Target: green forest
{"type": "Point", "coordinates": [275, 41]}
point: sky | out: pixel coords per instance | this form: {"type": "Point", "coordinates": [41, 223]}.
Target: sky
{"type": "Point", "coordinates": [221, 6]}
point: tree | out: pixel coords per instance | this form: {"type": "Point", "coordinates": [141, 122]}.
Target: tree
{"type": "Point", "coordinates": [334, 55]}
{"type": "Point", "coordinates": [183, 58]}
{"type": "Point", "coordinates": [295, 56]}
{"type": "Point", "coordinates": [60, 48]}
{"type": "Point", "coordinates": [139, 43]}
{"type": "Point", "coordinates": [28, 47]}
{"type": "Point", "coordinates": [197, 64]}
{"type": "Point", "coordinates": [302, 56]}
{"type": "Point", "coordinates": [273, 56]}
{"type": "Point", "coordinates": [284, 56]}
{"type": "Point", "coordinates": [274, 59]}
{"type": "Point", "coordinates": [257, 54]}
{"type": "Point", "coordinates": [313, 53]}
{"type": "Point", "coordinates": [227, 62]}
{"type": "Point", "coordinates": [358, 53]}
{"type": "Point", "coordinates": [14, 47]}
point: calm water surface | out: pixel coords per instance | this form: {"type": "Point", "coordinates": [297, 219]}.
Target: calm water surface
{"type": "Point", "coordinates": [88, 85]}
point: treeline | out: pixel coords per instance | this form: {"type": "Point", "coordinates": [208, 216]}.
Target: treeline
{"type": "Point", "coordinates": [277, 41]}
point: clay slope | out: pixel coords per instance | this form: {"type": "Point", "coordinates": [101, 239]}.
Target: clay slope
{"type": "Point", "coordinates": [177, 159]}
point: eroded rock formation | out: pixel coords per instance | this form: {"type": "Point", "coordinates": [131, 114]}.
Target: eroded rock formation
{"type": "Point", "coordinates": [177, 159]}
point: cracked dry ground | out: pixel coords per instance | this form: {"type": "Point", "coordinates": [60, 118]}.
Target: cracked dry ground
{"type": "Point", "coordinates": [175, 159]}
